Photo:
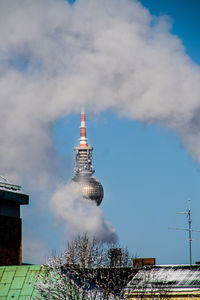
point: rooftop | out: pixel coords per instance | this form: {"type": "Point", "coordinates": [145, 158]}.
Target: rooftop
{"type": "Point", "coordinates": [175, 277]}
{"type": "Point", "coordinates": [12, 192]}
{"type": "Point", "coordinates": [17, 282]}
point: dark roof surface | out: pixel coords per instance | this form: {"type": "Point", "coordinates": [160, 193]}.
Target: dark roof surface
{"type": "Point", "coordinates": [14, 196]}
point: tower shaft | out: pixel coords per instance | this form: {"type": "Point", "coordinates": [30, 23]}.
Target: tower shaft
{"type": "Point", "coordinates": [91, 188]}
{"type": "Point", "coordinates": [83, 153]}
{"type": "Point", "coordinates": [83, 161]}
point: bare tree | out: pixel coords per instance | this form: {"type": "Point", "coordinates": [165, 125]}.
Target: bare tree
{"type": "Point", "coordinates": [88, 269]}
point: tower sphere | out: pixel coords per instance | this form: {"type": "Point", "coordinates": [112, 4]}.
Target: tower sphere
{"type": "Point", "coordinates": [91, 187]}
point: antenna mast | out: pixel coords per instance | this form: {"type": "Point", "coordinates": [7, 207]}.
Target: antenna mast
{"type": "Point", "coordinates": [188, 214]}
{"type": "Point", "coordinates": [190, 230]}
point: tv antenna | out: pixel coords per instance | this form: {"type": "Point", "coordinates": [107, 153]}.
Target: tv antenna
{"type": "Point", "coordinates": [189, 229]}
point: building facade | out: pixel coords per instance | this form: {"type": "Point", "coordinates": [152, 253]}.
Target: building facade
{"type": "Point", "coordinates": [11, 198]}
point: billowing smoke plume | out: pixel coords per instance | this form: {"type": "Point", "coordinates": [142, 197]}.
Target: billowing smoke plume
{"type": "Point", "coordinates": [108, 54]}
{"type": "Point", "coordinates": [81, 215]}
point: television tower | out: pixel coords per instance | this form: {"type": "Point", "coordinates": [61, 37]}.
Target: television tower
{"type": "Point", "coordinates": [91, 187]}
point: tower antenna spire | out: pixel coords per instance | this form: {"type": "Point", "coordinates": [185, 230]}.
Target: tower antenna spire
{"type": "Point", "coordinates": [83, 138]}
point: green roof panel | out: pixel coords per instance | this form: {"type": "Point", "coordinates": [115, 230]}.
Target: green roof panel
{"type": "Point", "coordinates": [1, 273]}
{"type": "Point", "coordinates": [31, 276]}
{"type": "Point", "coordinates": [11, 268]}
{"type": "Point", "coordinates": [17, 282]}
{"type": "Point", "coordinates": [13, 294]}
{"type": "Point", "coordinates": [35, 267]}
{"type": "Point", "coordinates": [22, 271]}
{"type": "Point", "coordinates": [7, 276]}
{"type": "Point", "coordinates": [4, 289]}
{"type": "Point", "coordinates": [27, 289]}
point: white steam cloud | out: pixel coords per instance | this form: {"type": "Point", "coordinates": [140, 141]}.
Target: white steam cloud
{"type": "Point", "coordinates": [81, 215]}
{"type": "Point", "coordinates": [108, 54]}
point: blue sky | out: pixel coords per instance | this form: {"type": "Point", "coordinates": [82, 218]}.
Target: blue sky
{"type": "Point", "coordinates": [147, 174]}
{"type": "Point", "coordinates": [139, 81]}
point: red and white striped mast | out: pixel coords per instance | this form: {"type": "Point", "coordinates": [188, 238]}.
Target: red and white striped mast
{"type": "Point", "coordinates": [83, 139]}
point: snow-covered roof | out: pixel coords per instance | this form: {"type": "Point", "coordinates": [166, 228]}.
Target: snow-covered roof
{"type": "Point", "coordinates": [166, 277]}
{"type": "Point", "coordinates": [7, 186]}
{"type": "Point", "coordinates": [12, 192]}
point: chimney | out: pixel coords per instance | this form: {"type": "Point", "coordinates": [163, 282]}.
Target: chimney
{"type": "Point", "coordinates": [139, 262]}
{"type": "Point", "coordinates": [115, 257]}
